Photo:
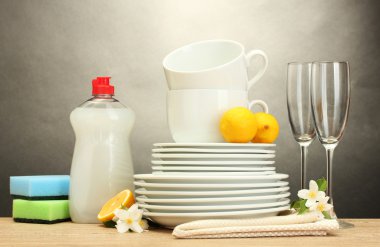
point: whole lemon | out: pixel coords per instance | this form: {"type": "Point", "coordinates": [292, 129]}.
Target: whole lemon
{"type": "Point", "coordinates": [268, 128]}
{"type": "Point", "coordinates": [238, 125]}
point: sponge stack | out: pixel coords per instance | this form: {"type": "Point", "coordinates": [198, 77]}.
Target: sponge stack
{"type": "Point", "coordinates": [40, 199]}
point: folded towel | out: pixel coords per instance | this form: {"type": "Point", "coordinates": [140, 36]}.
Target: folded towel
{"type": "Point", "coordinates": [277, 226]}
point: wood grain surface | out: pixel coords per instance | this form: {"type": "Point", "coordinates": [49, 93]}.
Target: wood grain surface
{"type": "Point", "coordinates": [365, 233]}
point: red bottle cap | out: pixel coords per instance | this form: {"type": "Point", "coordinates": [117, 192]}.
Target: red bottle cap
{"type": "Point", "coordinates": [101, 85]}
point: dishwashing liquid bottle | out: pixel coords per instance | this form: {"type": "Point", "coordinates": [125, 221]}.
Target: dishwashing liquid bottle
{"type": "Point", "coordinates": [102, 163]}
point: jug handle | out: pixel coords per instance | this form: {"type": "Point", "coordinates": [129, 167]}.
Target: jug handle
{"type": "Point", "coordinates": [261, 103]}
{"type": "Point", "coordinates": [261, 72]}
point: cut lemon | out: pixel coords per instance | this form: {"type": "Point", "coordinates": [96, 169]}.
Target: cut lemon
{"type": "Point", "coordinates": [123, 199]}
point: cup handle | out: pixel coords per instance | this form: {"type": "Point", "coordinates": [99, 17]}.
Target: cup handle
{"type": "Point", "coordinates": [260, 103]}
{"type": "Point", "coordinates": [261, 72]}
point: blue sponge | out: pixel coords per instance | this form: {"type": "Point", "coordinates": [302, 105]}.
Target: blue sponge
{"type": "Point", "coordinates": [51, 187]}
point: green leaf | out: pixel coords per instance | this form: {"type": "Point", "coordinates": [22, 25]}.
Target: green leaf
{"type": "Point", "coordinates": [303, 209]}
{"type": "Point", "coordinates": [295, 204]}
{"type": "Point", "coordinates": [300, 206]}
{"type": "Point", "coordinates": [327, 215]}
{"type": "Point", "coordinates": [322, 184]}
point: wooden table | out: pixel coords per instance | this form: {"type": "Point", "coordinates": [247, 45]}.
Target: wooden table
{"type": "Point", "coordinates": [365, 233]}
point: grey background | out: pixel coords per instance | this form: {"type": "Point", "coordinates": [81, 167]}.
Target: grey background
{"type": "Point", "coordinates": [50, 51]}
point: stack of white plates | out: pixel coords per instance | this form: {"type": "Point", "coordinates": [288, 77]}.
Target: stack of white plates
{"type": "Point", "coordinates": [192, 181]}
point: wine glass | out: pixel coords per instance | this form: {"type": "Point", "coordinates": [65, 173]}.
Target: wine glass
{"type": "Point", "coordinates": [330, 101]}
{"type": "Point", "coordinates": [299, 109]}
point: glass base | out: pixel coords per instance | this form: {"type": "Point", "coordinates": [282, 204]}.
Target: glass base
{"type": "Point", "coordinates": [344, 224]}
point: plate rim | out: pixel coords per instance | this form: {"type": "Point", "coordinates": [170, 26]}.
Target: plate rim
{"type": "Point", "coordinates": [216, 173]}
{"type": "Point", "coordinates": [281, 202]}
{"type": "Point", "coordinates": [211, 168]}
{"type": "Point", "coordinates": [215, 199]}
{"type": "Point", "coordinates": [207, 185]}
{"type": "Point", "coordinates": [232, 213]}
{"type": "Point", "coordinates": [210, 144]}
{"type": "Point", "coordinates": [203, 193]}
{"type": "Point", "coordinates": [213, 162]}
{"type": "Point", "coordinates": [212, 150]}
{"type": "Point", "coordinates": [211, 156]}
{"type": "Point", "coordinates": [150, 176]}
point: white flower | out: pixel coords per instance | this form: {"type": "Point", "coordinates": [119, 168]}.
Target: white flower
{"type": "Point", "coordinates": [128, 219]}
{"type": "Point", "coordinates": [312, 195]}
{"type": "Point", "coordinates": [321, 206]}
{"type": "Point", "coordinates": [144, 224]}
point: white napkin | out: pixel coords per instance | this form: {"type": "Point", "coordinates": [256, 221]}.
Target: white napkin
{"type": "Point", "coordinates": [277, 226]}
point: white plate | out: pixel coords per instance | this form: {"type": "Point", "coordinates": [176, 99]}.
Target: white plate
{"type": "Point", "coordinates": [171, 220]}
{"type": "Point", "coordinates": [212, 156]}
{"type": "Point", "coordinates": [215, 208]}
{"type": "Point", "coordinates": [215, 145]}
{"type": "Point", "coordinates": [212, 168]}
{"type": "Point", "coordinates": [213, 200]}
{"type": "Point", "coordinates": [254, 163]}
{"type": "Point", "coordinates": [194, 179]}
{"type": "Point", "coordinates": [205, 193]}
{"type": "Point", "coordinates": [213, 150]}
{"type": "Point", "coordinates": [207, 186]}
{"type": "Point", "coordinates": [213, 173]}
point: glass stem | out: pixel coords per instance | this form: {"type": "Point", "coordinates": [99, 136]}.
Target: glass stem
{"type": "Point", "coordinates": [303, 165]}
{"type": "Point", "coordinates": [329, 155]}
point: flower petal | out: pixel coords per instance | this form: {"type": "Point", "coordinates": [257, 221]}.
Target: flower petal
{"type": "Point", "coordinates": [320, 196]}
{"type": "Point", "coordinates": [313, 207]}
{"type": "Point", "coordinates": [137, 216]}
{"type": "Point", "coordinates": [121, 226]}
{"type": "Point", "coordinates": [320, 215]}
{"type": "Point", "coordinates": [144, 224]}
{"type": "Point", "coordinates": [328, 207]}
{"type": "Point", "coordinates": [303, 194]}
{"type": "Point", "coordinates": [133, 208]}
{"type": "Point", "coordinates": [309, 203]}
{"type": "Point", "coordinates": [117, 212]}
{"type": "Point", "coordinates": [325, 199]}
{"type": "Point", "coordinates": [121, 214]}
{"type": "Point", "coordinates": [313, 186]}
{"type": "Point", "coordinates": [136, 227]}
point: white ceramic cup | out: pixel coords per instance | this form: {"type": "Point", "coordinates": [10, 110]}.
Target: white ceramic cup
{"type": "Point", "coordinates": [212, 64]}
{"type": "Point", "coordinates": [194, 115]}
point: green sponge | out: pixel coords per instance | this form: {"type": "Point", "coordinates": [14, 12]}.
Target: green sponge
{"type": "Point", "coordinates": [45, 212]}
